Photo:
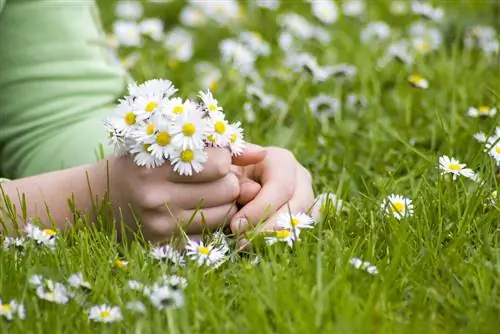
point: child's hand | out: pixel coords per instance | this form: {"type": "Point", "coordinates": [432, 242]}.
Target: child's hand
{"type": "Point", "coordinates": [164, 202]}
{"type": "Point", "coordinates": [286, 185]}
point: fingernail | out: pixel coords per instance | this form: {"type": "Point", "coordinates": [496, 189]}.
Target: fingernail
{"type": "Point", "coordinates": [241, 225]}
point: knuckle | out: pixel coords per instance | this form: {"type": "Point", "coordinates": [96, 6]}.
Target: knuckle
{"type": "Point", "coordinates": [233, 186]}
{"type": "Point", "coordinates": [222, 165]}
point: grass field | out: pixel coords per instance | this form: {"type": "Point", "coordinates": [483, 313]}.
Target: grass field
{"type": "Point", "coordinates": [438, 269]}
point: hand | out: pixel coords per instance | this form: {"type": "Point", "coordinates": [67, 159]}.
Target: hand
{"type": "Point", "coordinates": [286, 185]}
{"type": "Point", "coordinates": [165, 202]}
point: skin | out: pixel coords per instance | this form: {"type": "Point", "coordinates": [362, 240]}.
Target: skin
{"type": "Point", "coordinates": [254, 187]}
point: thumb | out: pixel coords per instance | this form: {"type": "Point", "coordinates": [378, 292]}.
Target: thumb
{"type": "Point", "coordinates": [253, 154]}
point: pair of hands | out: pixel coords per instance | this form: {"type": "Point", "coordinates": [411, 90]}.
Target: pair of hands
{"type": "Point", "coordinates": [243, 191]}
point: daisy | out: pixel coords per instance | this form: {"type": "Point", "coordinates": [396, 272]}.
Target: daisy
{"type": "Point", "coordinates": [135, 285]}
{"type": "Point", "coordinates": [397, 205]}
{"type": "Point", "coordinates": [493, 148]}
{"type": "Point", "coordinates": [344, 71]}
{"type": "Point", "coordinates": [129, 10]}
{"type": "Point", "coordinates": [15, 242]}
{"type": "Point", "coordinates": [324, 106]}
{"type": "Point", "coordinates": [268, 4]}
{"type": "Point", "coordinates": [364, 265]}
{"type": "Point", "coordinates": [238, 55]}
{"type": "Point", "coordinates": [45, 237]}
{"type": "Point", "coordinates": [283, 236]}
{"type": "Point", "coordinates": [297, 25]}
{"type": "Point", "coordinates": [11, 310]}
{"type": "Point", "coordinates": [155, 87]}
{"type": "Point", "coordinates": [324, 203]}
{"type": "Point", "coordinates": [167, 252]}
{"type": "Point", "coordinates": [481, 111]}
{"type": "Point", "coordinates": [175, 282]}
{"type": "Point", "coordinates": [116, 139]}
{"type": "Point", "coordinates": [188, 161]}
{"type": "Point", "coordinates": [399, 7]}
{"type": "Point", "coordinates": [179, 42]}
{"type": "Point", "coordinates": [249, 112]}
{"type": "Point", "coordinates": [203, 254]}
{"type": "Point", "coordinates": [253, 40]}
{"type": "Point", "coordinates": [53, 292]}
{"type": "Point", "coordinates": [36, 280]}
{"type": "Point", "coordinates": [355, 102]}
{"type": "Point", "coordinates": [77, 281]}
{"type": "Point", "coordinates": [119, 264]}
{"type": "Point", "coordinates": [353, 8]}
{"type": "Point", "coordinates": [124, 119]}
{"type": "Point", "coordinates": [164, 297]}
{"type": "Point", "coordinates": [105, 313]}
{"type": "Point", "coordinates": [480, 137]}
{"type": "Point", "coordinates": [236, 142]}
{"type": "Point", "coordinates": [326, 11]}
{"type": "Point", "coordinates": [217, 131]}
{"type": "Point", "coordinates": [192, 16]}
{"type": "Point", "coordinates": [152, 28]}
{"type": "Point", "coordinates": [210, 102]}
{"type": "Point", "coordinates": [418, 81]}
{"type": "Point", "coordinates": [454, 167]}
{"type": "Point", "coordinates": [136, 306]}
{"type": "Point", "coordinates": [219, 240]}
{"type": "Point", "coordinates": [483, 38]}
{"type": "Point", "coordinates": [222, 12]}
{"type": "Point", "coordinates": [127, 33]}
{"type": "Point", "coordinates": [209, 75]}
{"type": "Point", "coordinates": [400, 51]}
{"type": "Point", "coordinates": [425, 38]}
{"type": "Point", "coordinates": [295, 221]}
{"type": "Point", "coordinates": [143, 157]}
{"type": "Point", "coordinates": [161, 146]}
{"type": "Point", "coordinates": [189, 129]}
{"type": "Point", "coordinates": [375, 32]}
{"type": "Point", "coordinates": [427, 10]}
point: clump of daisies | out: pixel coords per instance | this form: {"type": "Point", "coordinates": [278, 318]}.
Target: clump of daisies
{"type": "Point", "coordinates": [155, 126]}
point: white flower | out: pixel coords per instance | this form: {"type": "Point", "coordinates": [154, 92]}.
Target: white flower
{"type": "Point", "coordinates": [400, 51]}
{"type": "Point", "coordinates": [143, 157]}
{"type": "Point", "coordinates": [364, 265]}
{"type": "Point", "coordinates": [344, 70]}
{"type": "Point", "coordinates": [188, 161]}
{"type": "Point", "coordinates": [163, 297]}
{"type": "Point", "coordinates": [175, 282]}
{"type": "Point", "coordinates": [167, 252]}
{"type": "Point", "coordinates": [268, 4]}
{"type": "Point", "coordinates": [11, 310]}
{"type": "Point", "coordinates": [238, 55]}
{"type": "Point", "coordinates": [16, 242]}
{"type": "Point", "coordinates": [254, 41]}
{"type": "Point", "coordinates": [426, 10]}
{"type": "Point", "coordinates": [119, 263]}
{"type": "Point", "coordinates": [324, 106]}
{"type": "Point", "coordinates": [124, 119]}
{"type": "Point", "coordinates": [136, 306]}
{"type": "Point", "coordinates": [397, 205]}
{"type": "Point", "coordinates": [36, 280]}
{"type": "Point", "coordinates": [297, 25]}
{"type": "Point", "coordinates": [480, 137]}
{"type": "Point", "coordinates": [155, 88]}
{"type": "Point", "coordinates": [53, 292]}
{"type": "Point", "coordinates": [203, 254]}
{"type": "Point", "coordinates": [285, 235]}
{"type": "Point", "coordinates": [188, 129]}
{"type": "Point", "coordinates": [249, 112]}
{"type": "Point", "coordinates": [105, 313]}
{"type": "Point", "coordinates": [375, 32]}
{"type": "Point", "coordinates": [217, 131]}
{"type": "Point", "coordinates": [161, 147]}
{"type": "Point", "coordinates": [152, 28]}
{"type": "Point", "coordinates": [135, 285]}
{"type": "Point", "coordinates": [127, 33]}
{"type": "Point", "coordinates": [353, 8]}
{"type": "Point", "coordinates": [45, 237]}
{"type": "Point", "coordinates": [119, 143]}
{"type": "Point", "coordinates": [454, 167]}
{"type": "Point", "coordinates": [179, 42]}
{"type": "Point", "coordinates": [77, 281]}
{"type": "Point", "coordinates": [418, 81]}
{"type": "Point", "coordinates": [294, 221]}
{"type": "Point", "coordinates": [129, 10]}
{"type": "Point", "coordinates": [355, 102]}
{"type": "Point", "coordinates": [425, 38]}
{"type": "Point", "coordinates": [493, 148]}
{"type": "Point", "coordinates": [399, 7]}
{"type": "Point", "coordinates": [219, 240]}
{"type": "Point", "coordinates": [192, 16]}
{"type": "Point", "coordinates": [236, 142]}
{"type": "Point", "coordinates": [210, 102]}
{"type": "Point", "coordinates": [222, 12]}
{"type": "Point", "coordinates": [481, 111]}
{"type": "Point", "coordinates": [325, 10]}
{"type": "Point", "coordinates": [483, 38]}
{"type": "Point", "coordinates": [208, 74]}
{"type": "Point", "coordinates": [323, 204]}
{"type": "Point", "coordinates": [491, 200]}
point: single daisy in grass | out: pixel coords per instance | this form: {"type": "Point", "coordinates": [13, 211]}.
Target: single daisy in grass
{"type": "Point", "coordinates": [217, 131]}
{"type": "Point", "coordinates": [208, 255]}
{"type": "Point", "coordinates": [136, 306]}
{"type": "Point", "coordinates": [287, 236]}
{"type": "Point", "coordinates": [143, 156]}
{"type": "Point", "coordinates": [161, 146]}
{"type": "Point", "coordinates": [236, 142]}
{"type": "Point", "coordinates": [13, 242]}
{"type": "Point", "coordinates": [397, 205]}
{"type": "Point", "coordinates": [294, 221]}
{"type": "Point", "coordinates": [174, 281]}
{"type": "Point", "coordinates": [119, 264]}
{"type": "Point", "coordinates": [135, 285]}
{"type": "Point", "coordinates": [77, 281]}
{"type": "Point", "coordinates": [167, 253]}
{"type": "Point", "coordinates": [452, 166]}
{"type": "Point", "coordinates": [493, 148]}
{"type": "Point", "coordinates": [325, 203]}
{"type": "Point", "coordinates": [364, 265]}
{"type": "Point", "coordinates": [164, 297]}
{"type": "Point", "coordinates": [45, 237]}
{"type": "Point", "coordinates": [53, 292]}
{"type": "Point", "coordinates": [188, 129]}
{"type": "Point", "coordinates": [210, 102]}
{"type": "Point", "coordinates": [418, 81]}
{"type": "Point", "coordinates": [105, 313]}
{"type": "Point", "coordinates": [482, 111]}
{"type": "Point", "coordinates": [324, 106]}
{"type": "Point", "coordinates": [188, 161]}
{"type": "Point", "coordinates": [12, 310]}
{"type": "Point", "coordinates": [480, 137]}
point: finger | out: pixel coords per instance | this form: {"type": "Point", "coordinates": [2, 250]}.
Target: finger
{"type": "Point", "coordinates": [205, 195]}
{"type": "Point", "coordinates": [253, 154]}
{"type": "Point", "coordinates": [210, 219]}
{"type": "Point", "coordinates": [249, 189]}
{"type": "Point", "coordinates": [217, 165]}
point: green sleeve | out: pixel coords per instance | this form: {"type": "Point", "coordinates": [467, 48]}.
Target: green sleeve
{"type": "Point", "coordinates": [56, 85]}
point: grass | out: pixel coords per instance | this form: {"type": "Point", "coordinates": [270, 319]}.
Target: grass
{"type": "Point", "coordinates": [438, 270]}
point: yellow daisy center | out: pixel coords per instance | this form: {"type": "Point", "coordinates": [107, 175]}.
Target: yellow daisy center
{"type": "Point", "coordinates": [497, 149]}
{"type": "Point", "coordinates": [188, 129]}
{"type": "Point", "coordinates": [150, 129]}
{"type": "Point", "coordinates": [423, 46]}
{"type": "Point", "coordinates": [211, 138]}
{"type": "Point", "coordinates": [163, 138]}
{"type": "Point", "coordinates": [151, 106]}
{"type": "Point", "coordinates": [49, 232]}
{"type": "Point", "coordinates": [130, 118]}
{"type": "Point", "coordinates": [105, 314]}
{"type": "Point", "coordinates": [399, 207]}
{"type": "Point", "coordinates": [455, 167]}
{"type": "Point", "coordinates": [282, 234]}
{"type": "Point", "coordinates": [204, 250]}
{"type": "Point", "coordinates": [213, 85]}
{"type": "Point", "coordinates": [187, 156]}
{"type": "Point", "coordinates": [294, 222]}
{"type": "Point", "coordinates": [178, 110]}
{"type": "Point", "coordinates": [146, 147]}
{"type": "Point", "coordinates": [484, 109]}
{"type": "Point", "coordinates": [415, 79]}
{"type": "Point", "coordinates": [50, 294]}
{"type": "Point", "coordinates": [120, 264]}
{"type": "Point", "coordinates": [220, 127]}
{"type": "Point", "coordinates": [5, 307]}
{"type": "Point", "coordinates": [233, 138]}
{"type": "Point", "coordinates": [212, 107]}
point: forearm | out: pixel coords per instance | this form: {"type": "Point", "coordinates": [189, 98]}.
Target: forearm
{"type": "Point", "coordinates": [54, 197]}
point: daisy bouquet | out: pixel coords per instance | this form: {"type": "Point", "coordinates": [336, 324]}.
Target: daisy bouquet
{"type": "Point", "coordinates": [155, 126]}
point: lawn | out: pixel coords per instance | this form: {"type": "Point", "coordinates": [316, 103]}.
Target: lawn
{"type": "Point", "coordinates": [405, 94]}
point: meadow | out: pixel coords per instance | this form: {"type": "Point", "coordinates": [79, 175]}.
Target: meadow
{"type": "Point", "coordinates": [369, 96]}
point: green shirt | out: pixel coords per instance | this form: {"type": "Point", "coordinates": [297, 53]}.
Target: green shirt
{"type": "Point", "coordinates": [56, 85]}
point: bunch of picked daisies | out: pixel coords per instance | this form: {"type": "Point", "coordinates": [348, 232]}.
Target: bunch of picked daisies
{"type": "Point", "coordinates": [154, 126]}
